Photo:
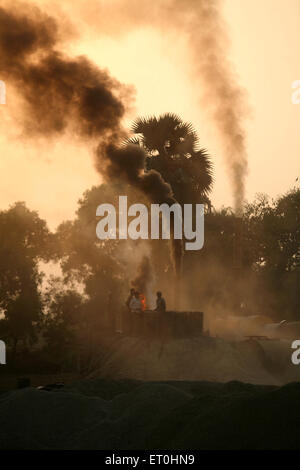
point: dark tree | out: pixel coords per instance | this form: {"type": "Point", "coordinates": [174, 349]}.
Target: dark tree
{"type": "Point", "coordinates": [172, 148]}
{"type": "Point", "coordinates": [24, 241]}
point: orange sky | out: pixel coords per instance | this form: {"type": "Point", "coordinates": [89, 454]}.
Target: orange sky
{"type": "Point", "coordinates": [265, 38]}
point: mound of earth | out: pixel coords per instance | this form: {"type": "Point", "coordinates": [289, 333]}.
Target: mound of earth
{"type": "Point", "coordinates": [102, 414]}
{"type": "Point", "coordinates": [203, 358]}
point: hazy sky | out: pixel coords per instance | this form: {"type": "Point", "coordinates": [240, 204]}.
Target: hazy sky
{"type": "Point", "coordinates": [265, 38]}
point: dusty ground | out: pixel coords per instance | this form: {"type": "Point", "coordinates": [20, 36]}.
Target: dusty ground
{"type": "Point", "coordinates": [203, 358]}
{"type": "Point", "coordinates": [204, 393]}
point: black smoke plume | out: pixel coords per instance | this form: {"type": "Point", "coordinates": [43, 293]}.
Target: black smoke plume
{"type": "Point", "coordinates": [58, 91]}
{"type": "Point", "coordinates": [61, 93]}
{"type": "Point", "coordinates": [201, 24]}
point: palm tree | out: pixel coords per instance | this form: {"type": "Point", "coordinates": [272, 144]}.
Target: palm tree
{"type": "Point", "coordinates": [172, 148]}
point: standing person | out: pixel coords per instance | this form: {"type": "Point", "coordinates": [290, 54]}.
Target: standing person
{"type": "Point", "coordinates": [135, 303]}
{"type": "Point", "coordinates": [160, 303]}
{"type": "Point", "coordinates": [130, 296]}
{"type": "Point", "coordinates": [137, 317]}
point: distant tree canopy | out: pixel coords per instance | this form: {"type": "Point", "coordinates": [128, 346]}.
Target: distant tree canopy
{"type": "Point", "coordinates": [95, 274]}
{"type": "Point", "coordinates": [273, 242]}
{"type": "Point", "coordinates": [266, 280]}
{"type": "Point", "coordinates": [172, 148]}
{"type": "Point", "coordinates": [83, 257]}
{"type": "Point", "coordinates": [24, 241]}
{"type": "Point", "coordinates": [277, 228]}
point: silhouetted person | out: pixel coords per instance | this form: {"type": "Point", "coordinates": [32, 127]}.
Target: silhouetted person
{"type": "Point", "coordinates": [135, 307]}
{"type": "Point", "coordinates": [160, 303]}
{"type": "Point", "coordinates": [135, 304]}
{"type": "Point", "coordinates": [131, 295]}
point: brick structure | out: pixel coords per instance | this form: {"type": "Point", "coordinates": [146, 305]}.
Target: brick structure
{"type": "Point", "coordinates": [170, 324]}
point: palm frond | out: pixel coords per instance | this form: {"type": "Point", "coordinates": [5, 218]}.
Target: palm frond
{"type": "Point", "coordinates": [131, 141]}
{"type": "Point", "coordinates": [175, 144]}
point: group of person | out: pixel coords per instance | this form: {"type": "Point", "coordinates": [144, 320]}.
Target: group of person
{"type": "Point", "coordinates": [135, 305]}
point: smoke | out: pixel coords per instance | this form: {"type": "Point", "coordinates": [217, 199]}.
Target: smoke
{"type": "Point", "coordinates": [202, 25]}
{"type": "Point", "coordinates": [144, 275]}
{"type": "Point", "coordinates": [62, 93]}
{"type": "Point", "coordinates": [58, 92]}
{"type": "Point", "coordinates": [128, 163]}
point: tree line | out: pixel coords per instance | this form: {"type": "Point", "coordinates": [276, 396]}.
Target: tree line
{"type": "Point", "coordinates": [249, 265]}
